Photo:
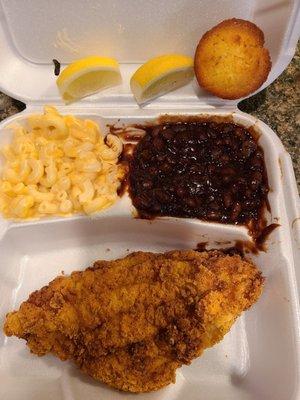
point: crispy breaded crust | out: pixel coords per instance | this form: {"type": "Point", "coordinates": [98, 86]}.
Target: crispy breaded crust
{"type": "Point", "coordinates": [230, 60]}
{"type": "Point", "coordinates": [132, 322]}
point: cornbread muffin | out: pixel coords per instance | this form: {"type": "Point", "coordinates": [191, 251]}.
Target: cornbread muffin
{"type": "Point", "coordinates": [230, 60]}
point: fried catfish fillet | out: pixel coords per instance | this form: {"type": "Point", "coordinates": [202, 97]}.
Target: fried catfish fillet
{"type": "Point", "coordinates": [132, 322]}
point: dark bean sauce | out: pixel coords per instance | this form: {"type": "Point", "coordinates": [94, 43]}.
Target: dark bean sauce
{"type": "Point", "coordinates": [131, 133]}
{"type": "Point", "coordinates": [123, 187]}
{"type": "Point", "coordinates": [201, 246]}
{"type": "Point", "coordinates": [236, 249]}
{"type": "Point", "coordinates": [124, 159]}
{"type": "Point", "coordinates": [263, 236]}
{"type": "Point", "coordinates": [204, 169]}
{"type": "Point", "coordinates": [243, 247]}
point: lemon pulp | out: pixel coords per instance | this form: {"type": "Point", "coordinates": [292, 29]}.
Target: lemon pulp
{"type": "Point", "coordinates": [88, 76]}
{"type": "Point", "coordinates": [161, 75]}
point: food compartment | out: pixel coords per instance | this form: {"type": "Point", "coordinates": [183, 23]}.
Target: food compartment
{"type": "Point", "coordinates": [237, 368]}
{"type": "Point", "coordinates": [267, 140]}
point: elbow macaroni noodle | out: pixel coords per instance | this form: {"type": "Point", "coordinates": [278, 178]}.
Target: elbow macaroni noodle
{"type": "Point", "coordinates": [59, 165]}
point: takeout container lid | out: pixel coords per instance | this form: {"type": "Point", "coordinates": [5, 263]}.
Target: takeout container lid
{"type": "Point", "coordinates": [33, 33]}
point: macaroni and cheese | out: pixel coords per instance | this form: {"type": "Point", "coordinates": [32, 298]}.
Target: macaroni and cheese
{"type": "Point", "coordinates": [59, 165]}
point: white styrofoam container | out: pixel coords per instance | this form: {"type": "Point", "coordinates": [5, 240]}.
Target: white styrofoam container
{"type": "Point", "coordinates": [260, 357]}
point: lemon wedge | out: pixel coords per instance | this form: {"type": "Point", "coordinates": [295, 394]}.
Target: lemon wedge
{"type": "Point", "coordinates": [87, 76]}
{"type": "Point", "coordinates": [161, 75]}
